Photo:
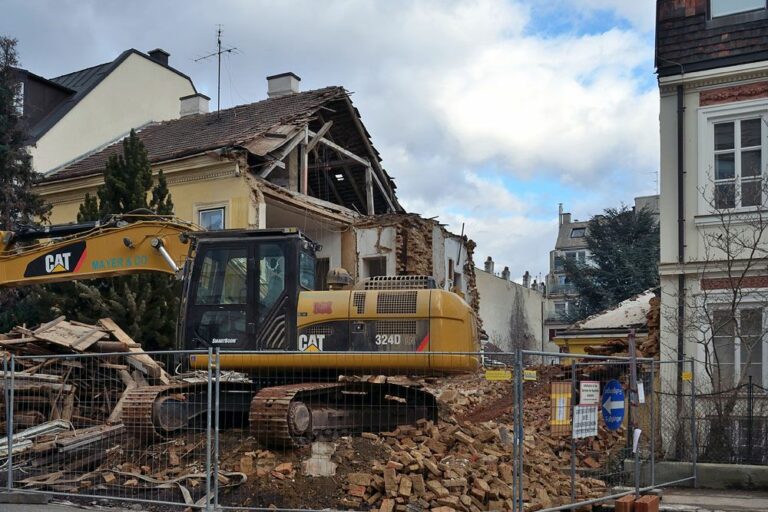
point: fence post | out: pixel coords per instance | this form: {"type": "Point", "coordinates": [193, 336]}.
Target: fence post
{"type": "Point", "coordinates": [8, 414]}
{"type": "Point", "coordinates": [573, 439]}
{"type": "Point", "coordinates": [750, 419]}
{"type": "Point", "coordinates": [9, 423]}
{"type": "Point", "coordinates": [516, 408]}
{"type": "Point", "coordinates": [694, 433]}
{"type": "Point", "coordinates": [519, 427]}
{"type": "Point", "coordinates": [652, 400]}
{"type": "Point", "coordinates": [217, 397]}
{"type": "Point", "coordinates": [208, 443]}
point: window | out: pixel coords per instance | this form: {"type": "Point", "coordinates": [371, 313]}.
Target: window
{"type": "Point", "coordinates": [375, 266]}
{"type": "Point", "coordinates": [580, 256]}
{"type": "Point", "coordinates": [738, 346]}
{"type": "Point", "coordinates": [211, 218]}
{"type": "Point", "coordinates": [733, 144]}
{"type": "Point", "coordinates": [223, 277]}
{"type": "Point", "coordinates": [738, 157]}
{"type": "Point", "coordinates": [578, 232]}
{"type": "Point", "coordinates": [719, 8]}
{"type": "Point", "coordinates": [271, 277]}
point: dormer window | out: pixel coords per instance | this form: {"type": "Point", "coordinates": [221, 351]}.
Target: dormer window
{"type": "Point", "coordinates": [719, 8]}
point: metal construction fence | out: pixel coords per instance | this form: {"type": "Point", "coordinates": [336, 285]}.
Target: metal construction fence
{"type": "Point", "coordinates": [337, 430]}
{"type": "Point", "coordinates": [732, 425]}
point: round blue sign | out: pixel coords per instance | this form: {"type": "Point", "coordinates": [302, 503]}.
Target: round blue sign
{"type": "Point", "coordinates": [613, 404]}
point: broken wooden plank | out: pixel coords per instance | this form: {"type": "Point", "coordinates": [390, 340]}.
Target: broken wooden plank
{"type": "Point", "coordinates": [138, 359]}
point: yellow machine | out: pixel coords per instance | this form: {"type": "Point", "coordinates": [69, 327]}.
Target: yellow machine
{"type": "Point", "coordinates": [251, 294]}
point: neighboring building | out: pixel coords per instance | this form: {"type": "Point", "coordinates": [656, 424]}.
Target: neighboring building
{"type": "Point", "coordinates": [561, 295]}
{"type": "Point", "coordinates": [712, 64]}
{"type": "Point", "coordinates": [571, 245]}
{"type": "Point", "coordinates": [511, 313]}
{"type": "Point", "coordinates": [73, 114]}
{"type": "Point", "coordinates": [295, 159]}
{"type": "Point", "coordinates": [611, 324]}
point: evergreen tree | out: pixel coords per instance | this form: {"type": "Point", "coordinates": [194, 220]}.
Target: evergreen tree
{"type": "Point", "coordinates": [624, 255]}
{"type": "Point", "coordinates": [19, 204]}
{"type": "Point", "coordinates": [144, 305]}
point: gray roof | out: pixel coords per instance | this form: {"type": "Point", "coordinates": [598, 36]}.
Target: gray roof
{"type": "Point", "coordinates": [564, 240]}
{"type": "Point", "coordinates": [85, 78]}
{"type": "Point", "coordinates": [82, 82]}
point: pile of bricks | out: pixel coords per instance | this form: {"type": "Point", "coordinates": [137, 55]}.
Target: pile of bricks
{"type": "Point", "coordinates": [459, 466]}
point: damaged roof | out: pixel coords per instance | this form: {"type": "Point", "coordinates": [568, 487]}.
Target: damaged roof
{"type": "Point", "coordinates": [205, 132]}
{"type": "Point", "coordinates": [261, 129]}
{"type": "Point", "coordinates": [625, 315]}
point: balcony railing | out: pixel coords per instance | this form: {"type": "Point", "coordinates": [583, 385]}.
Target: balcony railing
{"type": "Point", "coordinates": [557, 288]}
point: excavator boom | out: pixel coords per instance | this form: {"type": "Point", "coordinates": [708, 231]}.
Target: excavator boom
{"type": "Point", "coordinates": [124, 244]}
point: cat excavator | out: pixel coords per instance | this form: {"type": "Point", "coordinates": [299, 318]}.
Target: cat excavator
{"type": "Point", "coordinates": [251, 296]}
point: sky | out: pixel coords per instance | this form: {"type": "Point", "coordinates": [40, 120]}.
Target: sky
{"type": "Point", "coordinates": [487, 113]}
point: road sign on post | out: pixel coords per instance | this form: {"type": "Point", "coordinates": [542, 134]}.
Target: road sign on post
{"type": "Point", "coordinates": [613, 405]}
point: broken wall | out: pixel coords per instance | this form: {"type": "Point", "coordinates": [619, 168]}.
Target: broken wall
{"type": "Point", "coordinates": [414, 245]}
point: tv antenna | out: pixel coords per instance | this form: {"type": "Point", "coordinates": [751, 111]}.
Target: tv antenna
{"type": "Point", "coordinates": [217, 54]}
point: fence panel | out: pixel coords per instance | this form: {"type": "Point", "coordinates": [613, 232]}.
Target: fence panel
{"type": "Point", "coordinates": [110, 425]}
{"type": "Point", "coordinates": [372, 430]}
{"type": "Point", "coordinates": [501, 431]}
{"type": "Point", "coordinates": [595, 438]}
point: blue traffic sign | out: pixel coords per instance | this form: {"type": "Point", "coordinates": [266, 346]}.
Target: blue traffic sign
{"type": "Point", "coordinates": [613, 405]}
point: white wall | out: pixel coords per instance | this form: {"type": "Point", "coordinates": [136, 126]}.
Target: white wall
{"type": "Point", "coordinates": [137, 92]}
{"type": "Point", "coordinates": [331, 242]}
{"type": "Point", "coordinates": [376, 242]}
{"type": "Point", "coordinates": [500, 302]}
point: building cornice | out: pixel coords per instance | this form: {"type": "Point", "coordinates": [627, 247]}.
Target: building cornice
{"type": "Point", "coordinates": [715, 77]}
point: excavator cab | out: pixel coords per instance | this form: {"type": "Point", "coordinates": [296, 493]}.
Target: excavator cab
{"type": "Point", "coordinates": [242, 288]}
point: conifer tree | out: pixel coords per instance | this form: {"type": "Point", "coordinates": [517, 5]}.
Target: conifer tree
{"type": "Point", "coordinates": [144, 305]}
{"type": "Point", "coordinates": [19, 204]}
{"type": "Point", "coordinates": [623, 261]}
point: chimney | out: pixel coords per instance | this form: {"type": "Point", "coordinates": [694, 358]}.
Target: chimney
{"type": "Point", "coordinates": [489, 265]}
{"type": "Point", "coordinates": [505, 274]}
{"type": "Point", "coordinates": [527, 279]}
{"type": "Point", "coordinates": [160, 56]}
{"type": "Point", "coordinates": [566, 218]}
{"type": "Point", "coordinates": [194, 104]}
{"type": "Point", "coordinates": [282, 84]}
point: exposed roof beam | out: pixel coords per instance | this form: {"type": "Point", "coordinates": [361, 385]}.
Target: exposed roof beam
{"type": "Point", "coordinates": [319, 135]}
{"type": "Point", "coordinates": [361, 160]}
{"type": "Point", "coordinates": [340, 149]}
{"type": "Point", "coordinates": [376, 165]}
{"type": "Point", "coordinates": [281, 154]}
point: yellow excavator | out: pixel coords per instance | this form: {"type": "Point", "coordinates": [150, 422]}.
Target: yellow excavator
{"type": "Point", "coordinates": [251, 293]}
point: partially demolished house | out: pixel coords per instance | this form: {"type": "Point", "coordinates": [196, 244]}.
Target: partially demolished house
{"type": "Point", "coordinates": [295, 159]}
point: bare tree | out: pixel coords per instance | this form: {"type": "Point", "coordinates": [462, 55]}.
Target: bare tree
{"type": "Point", "coordinates": [726, 316]}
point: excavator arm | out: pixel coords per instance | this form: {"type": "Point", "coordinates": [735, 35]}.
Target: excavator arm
{"type": "Point", "coordinates": [123, 244]}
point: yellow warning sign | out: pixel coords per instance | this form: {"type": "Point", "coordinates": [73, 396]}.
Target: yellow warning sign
{"type": "Point", "coordinates": [498, 375]}
{"type": "Point", "coordinates": [529, 374]}
{"type": "Point", "coordinates": [687, 376]}
{"type": "Point", "coordinates": [560, 418]}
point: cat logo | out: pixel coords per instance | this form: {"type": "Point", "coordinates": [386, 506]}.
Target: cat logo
{"type": "Point", "coordinates": [57, 262]}
{"type": "Point", "coordinates": [311, 342]}
{"type": "Point", "coordinates": [63, 260]}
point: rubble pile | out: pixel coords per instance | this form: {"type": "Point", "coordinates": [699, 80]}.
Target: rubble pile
{"type": "Point", "coordinates": [84, 391]}
{"type": "Point", "coordinates": [646, 347]}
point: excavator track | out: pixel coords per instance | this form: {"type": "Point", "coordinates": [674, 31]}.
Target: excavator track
{"type": "Point", "coordinates": [138, 406]}
{"type": "Point", "coordinates": [162, 410]}
{"type": "Point", "coordinates": [298, 414]}
{"type": "Point", "coordinates": [278, 418]}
